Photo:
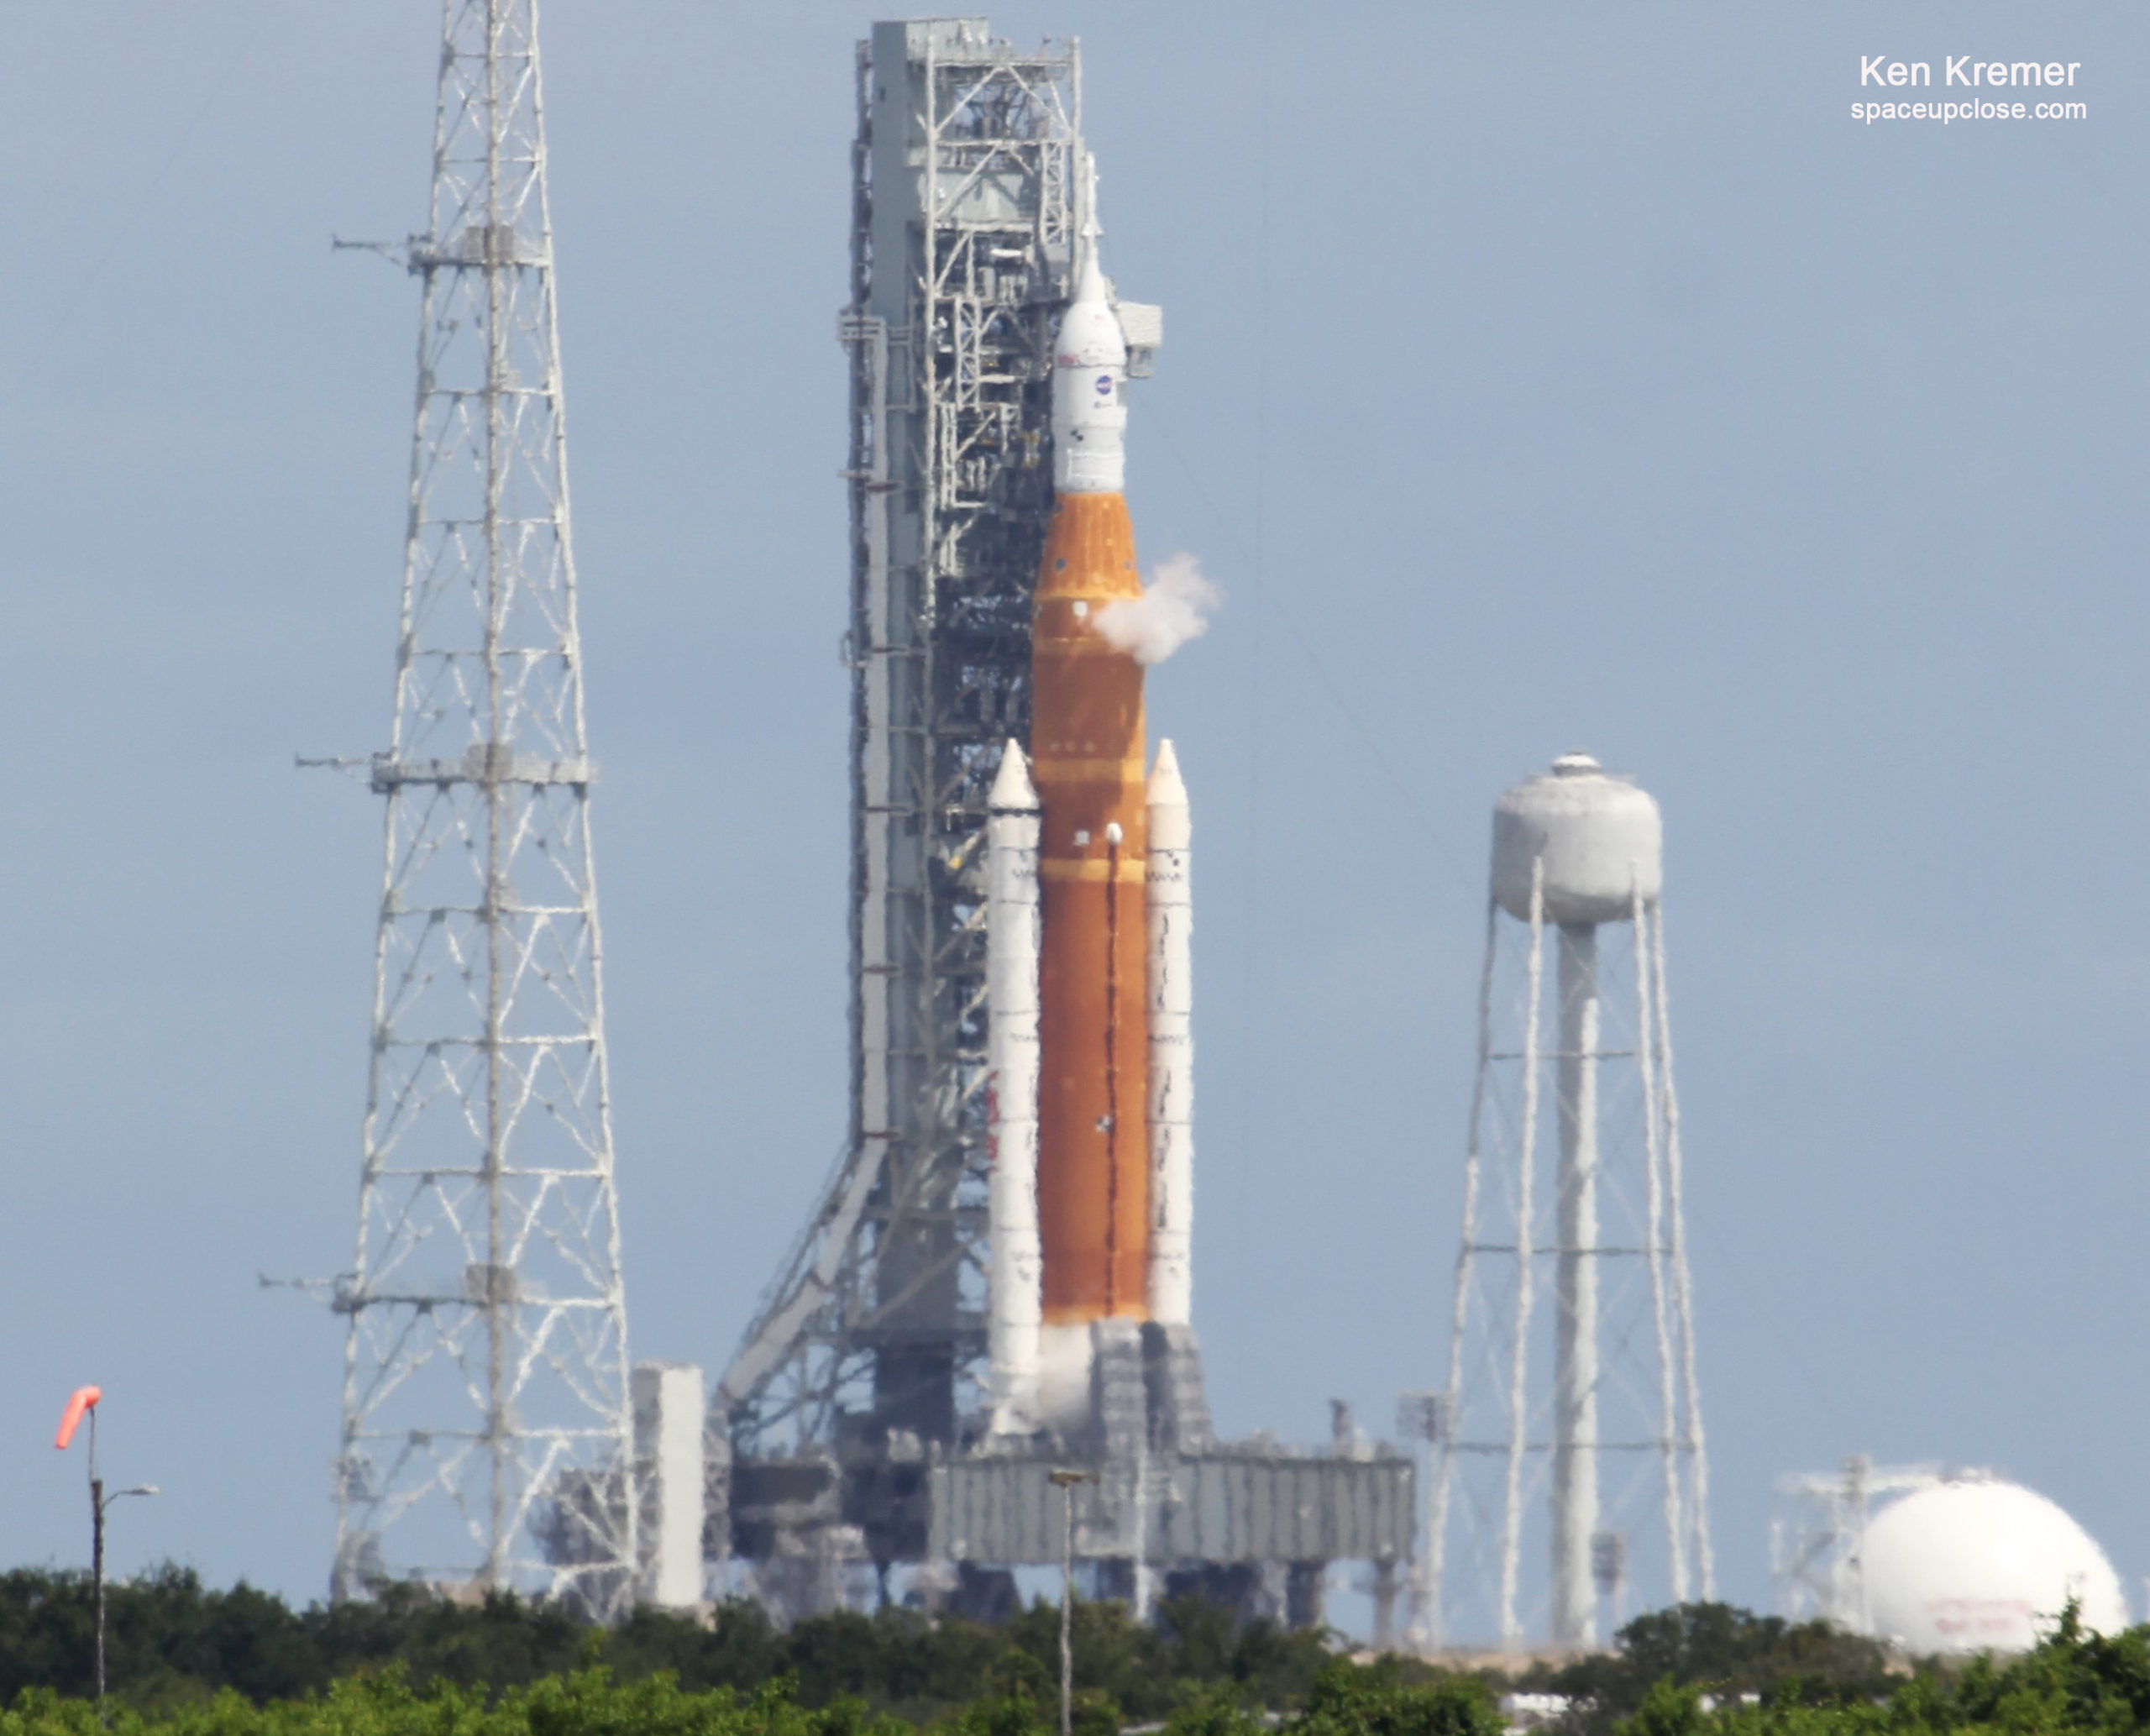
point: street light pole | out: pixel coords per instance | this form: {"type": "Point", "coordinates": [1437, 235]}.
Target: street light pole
{"type": "Point", "coordinates": [1065, 1482]}
{"type": "Point", "coordinates": [101, 1504]}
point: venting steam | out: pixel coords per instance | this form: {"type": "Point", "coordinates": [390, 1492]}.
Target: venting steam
{"type": "Point", "coordinates": [1174, 607]}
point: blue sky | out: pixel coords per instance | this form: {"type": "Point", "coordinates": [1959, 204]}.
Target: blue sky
{"type": "Point", "coordinates": [1533, 379]}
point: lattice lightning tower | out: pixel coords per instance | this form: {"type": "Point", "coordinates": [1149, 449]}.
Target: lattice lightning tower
{"type": "Point", "coordinates": [486, 1411]}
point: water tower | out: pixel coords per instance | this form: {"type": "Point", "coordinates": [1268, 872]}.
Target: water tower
{"type": "Point", "coordinates": [1569, 1430]}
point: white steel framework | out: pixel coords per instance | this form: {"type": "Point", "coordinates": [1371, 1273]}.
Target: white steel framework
{"type": "Point", "coordinates": [1817, 1537]}
{"type": "Point", "coordinates": [1570, 1409]}
{"type": "Point", "coordinates": [487, 1412]}
{"type": "Point", "coordinates": [964, 216]}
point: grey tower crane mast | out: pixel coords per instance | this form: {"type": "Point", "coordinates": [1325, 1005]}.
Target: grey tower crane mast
{"type": "Point", "coordinates": [486, 1393]}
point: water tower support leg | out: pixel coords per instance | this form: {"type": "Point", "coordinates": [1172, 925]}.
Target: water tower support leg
{"type": "Point", "coordinates": [1575, 1324]}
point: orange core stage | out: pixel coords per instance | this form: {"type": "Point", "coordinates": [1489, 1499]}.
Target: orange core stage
{"type": "Point", "coordinates": [1087, 757]}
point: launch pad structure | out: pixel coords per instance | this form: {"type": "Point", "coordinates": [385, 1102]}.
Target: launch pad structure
{"type": "Point", "coordinates": [850, 1437]}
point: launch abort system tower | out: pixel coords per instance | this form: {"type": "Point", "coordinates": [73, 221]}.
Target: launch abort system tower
{"type": "Point", "coordinates": [858, 1411]}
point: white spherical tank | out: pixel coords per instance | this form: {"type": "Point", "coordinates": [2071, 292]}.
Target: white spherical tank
{"type": "Point", "coordinates": [1601, 838]}
{"type": "Point", "coordinates": [1976, 1566]}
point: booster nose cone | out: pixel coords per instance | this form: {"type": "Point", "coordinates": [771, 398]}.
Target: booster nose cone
{"type": "Point", "coordinates": [1013, 792]}
{"type": "Point", "coordinates": [1166, 788]}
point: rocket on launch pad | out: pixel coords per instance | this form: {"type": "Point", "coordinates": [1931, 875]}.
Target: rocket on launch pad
{"type": "Point", "coordinates": [849, 1408]}
{"type": "Point", "coordinates": [1088, 930]}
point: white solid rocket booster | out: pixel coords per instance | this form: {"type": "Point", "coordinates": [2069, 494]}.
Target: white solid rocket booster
{"type": "Point", "coordinates": [1012, 941]}
{"type": "Point", "coordinates": [1171, 1046]}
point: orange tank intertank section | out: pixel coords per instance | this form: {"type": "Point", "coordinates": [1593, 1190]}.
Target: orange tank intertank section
{"type": "Point", "coordinates": [1087, 757]}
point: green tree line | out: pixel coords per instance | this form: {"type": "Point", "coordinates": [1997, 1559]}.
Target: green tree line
{"type": "Point", "coordinates": [187, 1661]}
{"type": "Point", "coordinates": [171, 1641]}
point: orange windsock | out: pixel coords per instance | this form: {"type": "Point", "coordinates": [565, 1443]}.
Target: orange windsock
{"type": "Point", "coordinates": [81, 1405]}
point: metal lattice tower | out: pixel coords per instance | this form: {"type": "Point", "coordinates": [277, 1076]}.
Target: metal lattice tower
{"type": "Point", "coordinates": [1817, 1537]}
{"type": "Point", "coordinates": [487, 1418]}
{"type": "Point", "coordinates": [1570, 1423]}
{"type": "Point", "coordinates": [964, 216]}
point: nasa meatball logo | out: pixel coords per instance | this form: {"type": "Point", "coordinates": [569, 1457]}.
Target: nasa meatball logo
{"type": "Point", "coordinates": [1104, 386]}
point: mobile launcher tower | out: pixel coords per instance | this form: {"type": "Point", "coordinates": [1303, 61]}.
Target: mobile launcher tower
{"type": "Point", "coordinates": [981, 1345]}
{"type": "Point", "coordinates": [1570, 1423]}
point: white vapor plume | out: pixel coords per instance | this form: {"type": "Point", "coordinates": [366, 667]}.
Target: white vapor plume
{"type": "Point", "coordinates": [1174, 607]}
